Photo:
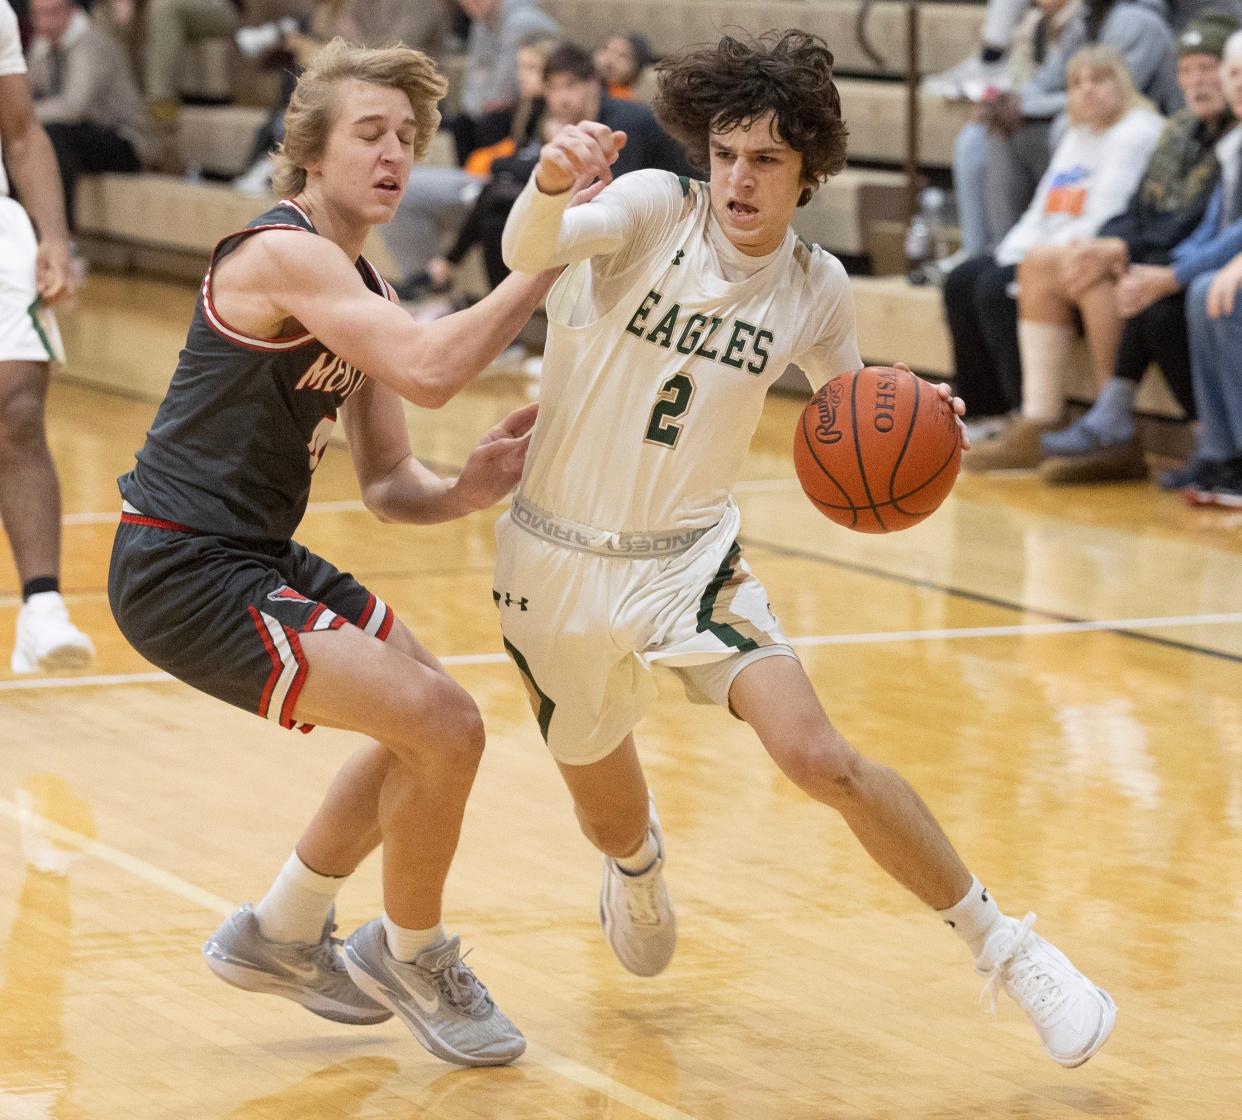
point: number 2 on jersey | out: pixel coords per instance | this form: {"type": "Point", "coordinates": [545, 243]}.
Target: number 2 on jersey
{"type": "Point", "coordinates": [671, 402]}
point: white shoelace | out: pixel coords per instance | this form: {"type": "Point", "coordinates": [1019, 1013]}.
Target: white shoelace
{"type": "Point", "coordinates": [1037, 990]}
{"type": "Point", "coordinates": [642, 899]}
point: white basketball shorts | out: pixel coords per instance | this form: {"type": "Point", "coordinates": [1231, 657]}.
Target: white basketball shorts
{"type": "Point", "coordinates": [586, 614]}
{"type": "Point", "coordinates": [28, 331]}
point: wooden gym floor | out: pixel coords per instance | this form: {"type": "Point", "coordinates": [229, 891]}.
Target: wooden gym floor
{"type": "Point", "coordinates": [1058, 672]}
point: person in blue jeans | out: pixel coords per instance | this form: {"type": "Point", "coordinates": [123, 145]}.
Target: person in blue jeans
{"type": "Point", "coordinates": [1214, 323]}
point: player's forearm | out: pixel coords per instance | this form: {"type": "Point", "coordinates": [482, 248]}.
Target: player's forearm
{"type": "Point", "coordinates": [454, 350]}
{"type": "Point", "coordinates": [32, 167]}
{"type": "Point", "coordinates": [413, 494]}
{"type": "Point", "coordinates": [543, 232]}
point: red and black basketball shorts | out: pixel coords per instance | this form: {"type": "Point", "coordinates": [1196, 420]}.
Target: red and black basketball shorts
{"type": "Point", "coordinates": [224, 615]}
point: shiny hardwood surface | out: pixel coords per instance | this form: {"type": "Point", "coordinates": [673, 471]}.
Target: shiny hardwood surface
{"type": "Point", "coordinates": [1093, 775]}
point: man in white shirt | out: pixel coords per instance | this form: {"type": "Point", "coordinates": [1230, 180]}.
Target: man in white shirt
{"type": "Point", "coordinates": [681, 303]}
{"type": "Point", "coordinates": [33, 275]}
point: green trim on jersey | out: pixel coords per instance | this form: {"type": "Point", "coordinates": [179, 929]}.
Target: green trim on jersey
{"type": "Point", "coordinates": [546, 705]}
{"type": "Point", "coordinates": [684, 180]}
{"type": "Point", "coordinates": [33, 312]}
{"type": "Point", "coordinates": [707, 604]}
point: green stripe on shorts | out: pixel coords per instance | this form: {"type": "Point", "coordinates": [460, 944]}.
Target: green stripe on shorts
{"type": "Point", "coordinates": [546, 705]}
{"type": "Point", "coordinates": [707, 604]}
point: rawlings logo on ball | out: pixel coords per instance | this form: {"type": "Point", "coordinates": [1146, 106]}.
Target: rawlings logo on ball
{"type": "Point", "coordinates": [827, 402]}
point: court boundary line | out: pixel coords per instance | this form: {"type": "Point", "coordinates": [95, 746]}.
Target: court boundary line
{"type": "Point", "coordinates": [554, 1063]}
{"type": "Point", "coordinates": [981, 597]}
{"type": "Point", "coordinates": [1120, 626]}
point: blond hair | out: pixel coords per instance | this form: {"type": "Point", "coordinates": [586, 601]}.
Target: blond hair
{"type": "Point", "coordinates": [1106, 60]}
{"type": "Point", "coordinates": [313, 107]}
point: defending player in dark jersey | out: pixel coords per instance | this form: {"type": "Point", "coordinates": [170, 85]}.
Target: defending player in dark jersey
{"type": "Point", "coordinates": [292, 327]}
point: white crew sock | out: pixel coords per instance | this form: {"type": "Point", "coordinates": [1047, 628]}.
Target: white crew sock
{"type": "Point", "coordinates": [297, 903]}
{"type": "Point", "coordinates": [974, 917]}
{"type": "Point", "coordinates": [405, 944]}
{"type": "Point", "coordinates": [639, 861]}
{"type": "Point", "coordinates": [1045, 350]}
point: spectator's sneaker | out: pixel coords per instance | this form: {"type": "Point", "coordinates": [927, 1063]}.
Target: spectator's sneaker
{"type": "Point", "coordinates": [1218, 484]}
{"type": "Point", "coordinates": [1073, 1017]}
{"type": "Point", "coordinates": [969, 79]}
{"type": "Point", "coordinates": [636, 913]}
{"type": "Point", "coordinates": [309, 974]}
{"type": "Point", "coordinates": [1110, 462]}
{"type": "Point", "coordinates": [46, 639]}
{"type": "Point", "coordinates": [1017, 447]}
{"type": "Point", "coordinates": [437, 996]}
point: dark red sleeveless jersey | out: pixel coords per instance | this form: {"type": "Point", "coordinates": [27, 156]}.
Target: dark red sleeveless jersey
{"type": "Point", "coordinates": [245, 420]}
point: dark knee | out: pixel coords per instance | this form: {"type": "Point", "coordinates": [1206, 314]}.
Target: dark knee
{"type": "Point", "coordinates": [21, 421]}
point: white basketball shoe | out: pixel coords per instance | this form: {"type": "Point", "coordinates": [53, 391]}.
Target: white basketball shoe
{"type": "Point", "coordinates": [46, 640]}
{"type": "Point", "coordinates": [1073, 1016]}
{"type": "Point", "coordinates": [636, 913]}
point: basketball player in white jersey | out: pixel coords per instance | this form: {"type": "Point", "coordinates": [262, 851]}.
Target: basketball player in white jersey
{"type": "Point", "coordinates": [33, 276]}
{"type": "Point", "coordinates": [683, 302]}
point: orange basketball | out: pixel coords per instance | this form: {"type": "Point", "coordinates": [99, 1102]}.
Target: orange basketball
{"type": "Point", "coordinates": [877, 450]}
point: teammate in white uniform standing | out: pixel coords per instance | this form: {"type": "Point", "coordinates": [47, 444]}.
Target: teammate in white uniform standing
{"type": "Point", "coordinates": [683, 302]}
{"type": "Point", "coordinates": [33, 275]}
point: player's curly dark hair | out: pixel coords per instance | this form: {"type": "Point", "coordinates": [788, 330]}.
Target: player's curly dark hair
{"type": "Point", "coordinates": [736, 81]}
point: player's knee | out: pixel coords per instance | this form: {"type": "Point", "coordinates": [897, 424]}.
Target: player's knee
{"type": "Point", "coordinates": [826, 767]}
{"type": "Point", "coordinates": [21, 422]}
{"type": "Point", "coordinates": [613, 831]}
{"type": "Point", "coordinates": [463, 737]}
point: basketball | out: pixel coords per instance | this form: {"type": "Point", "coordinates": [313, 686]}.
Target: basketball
{"type": "Point", "coordinates": [877, 450]}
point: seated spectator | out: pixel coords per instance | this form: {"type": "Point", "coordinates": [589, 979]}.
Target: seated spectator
{"type": "Point", "coordinates": [489, 77]}
{"type": "Point", "coordinates": [163, 29]}
{"type": "Point", "coordinates": [572, 93]}
{"type": "Point", "coordinates": [1093, 173]}
{"type": "Point", "coordinates": [1035, 37]}
{"type": "Point", "coordinates": [437, 199]}
{"type": "Point", "coordinates": [85, 96]}
{"type": "Point", "coordinates": [987, 65]}
{"type": "Point", "coordinates": [1214, 315]}
{"type": "Point", "coordinates": [376, 23]}
{"type": "Point", "coordinates": [1135, 248]}
{"type": "Point", "coordinates": [1024, 125]}
{"type": "Point", "coordinates": [620, 61]}
{"type": "Point", "coordinates": [288, 44]}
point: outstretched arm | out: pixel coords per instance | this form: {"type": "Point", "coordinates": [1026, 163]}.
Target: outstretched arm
{"type": "Point", "coordinates": [284, 274]}
{"type": "Point", "coordinates": [397, 487]}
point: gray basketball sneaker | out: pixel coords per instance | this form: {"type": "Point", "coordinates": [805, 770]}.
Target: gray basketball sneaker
{"type": "Point", "coordinates": [636, 913]}
{"type": "Point", "coordinates": [1073, 1016]}
{"type": "Point", "coordinates": [437, 996]}
{"type": "Point", "coordinates": [309, 974]}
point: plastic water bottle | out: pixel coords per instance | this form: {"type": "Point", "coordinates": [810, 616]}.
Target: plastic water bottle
{"type": "Point", "coordinates": [918, 248]}
{"type": "Point", "coordinates": [932, 204]}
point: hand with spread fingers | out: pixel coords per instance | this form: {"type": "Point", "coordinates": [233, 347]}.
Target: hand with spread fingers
{"type": "Point", "coordinates": [495, 465]}
{"type": "Point", "coordinates": [577, 155]}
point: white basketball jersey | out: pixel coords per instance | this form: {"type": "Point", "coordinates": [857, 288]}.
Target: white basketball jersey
{"type": "Point", "coordinates": [11, 61]}
{"type": "Point", "coordinates": [647, 411]}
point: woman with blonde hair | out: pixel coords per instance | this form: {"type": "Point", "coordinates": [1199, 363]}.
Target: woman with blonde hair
{"type": "Point", "coordinates": [1096, 167]}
